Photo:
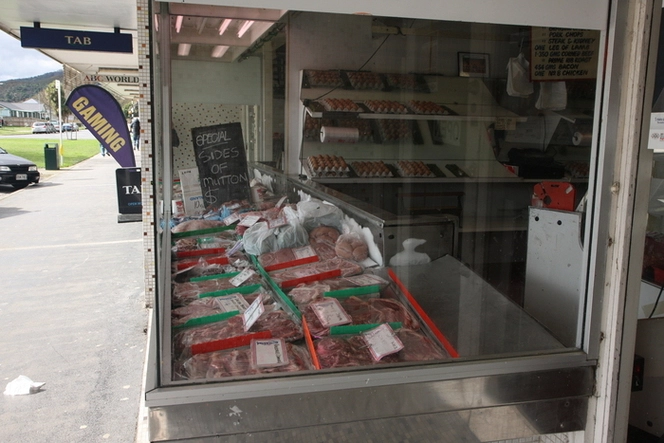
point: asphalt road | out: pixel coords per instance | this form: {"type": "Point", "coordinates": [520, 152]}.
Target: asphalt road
{"type": "Point", "coordinates": [72, 309]}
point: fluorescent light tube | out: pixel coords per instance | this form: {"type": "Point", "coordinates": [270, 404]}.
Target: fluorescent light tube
{"type": "Point", "coordinates": [224, 25]}
{"type": "Point", "coordinates": [245, 27]}
{"type": "Point", "coordinates": [219, 51]}
{"type": "Point", "coordinates": [183, 49]}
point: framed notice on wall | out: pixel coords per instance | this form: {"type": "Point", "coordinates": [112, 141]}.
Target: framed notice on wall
{"type": "Point", "coordinates": [563, 54]}
{"type": "Point", "coordinates": [473, 65]}
{"type": "Point", "coordinates": [222, 163]}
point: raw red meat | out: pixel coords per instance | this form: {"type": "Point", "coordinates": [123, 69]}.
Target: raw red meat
{"type": "Point", "coordinates": [280, 324]}
{"type": "Point", "coordinates": [417, 347]}
{"type": "Point", "coordinates": [277, 322]}
{"type": "Point", "coordinates": [185, 293]}
{"type": "Point", "coordinates": [346, 267]}
{"type": "Point", "coordinates": [204, 307]}
{"type": "Point", "coordinates": [336, 352]}
{"type": "Point", "coordinates": [304, 294]}
{"type": "Point", "coordinates": [360, 312]}
{"type": "Point", "coordinates": [237, 362]}
{"type": "Point", "coordinates": [367, 311]}
{"type": "Point", "coordinates": [196, 225]}
{"type": "Point", "coordinates": [394, 311]}
{"type": "Point", "coordinates": [324, 251]}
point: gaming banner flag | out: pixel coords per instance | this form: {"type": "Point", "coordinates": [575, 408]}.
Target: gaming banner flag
{"type": "Point", "coordinates": [98, 110]}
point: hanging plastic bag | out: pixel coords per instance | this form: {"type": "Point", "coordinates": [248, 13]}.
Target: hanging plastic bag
{"type": "Point", "coordinates": [552, 96]}
{"type": "Point", "coordinates": [518, 77]}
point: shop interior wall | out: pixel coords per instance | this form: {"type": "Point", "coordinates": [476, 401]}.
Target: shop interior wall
{"type": "Point", "coordinates": [209, 93]}
{"type": "Point", "coordinates": [332, 41]}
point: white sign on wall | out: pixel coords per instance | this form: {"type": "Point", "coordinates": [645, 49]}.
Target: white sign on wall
{"type": "Point", "coordinates": [191, 192]}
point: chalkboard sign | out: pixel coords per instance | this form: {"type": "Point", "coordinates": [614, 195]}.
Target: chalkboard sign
{"type": "Point", "coordinates": [222, 163]}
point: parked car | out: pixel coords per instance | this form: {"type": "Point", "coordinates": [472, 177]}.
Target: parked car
{"type": "Point", "coordinates": [17, 171]}
{"type": "Point", "coordinates": [56, 125]}
{"type": "Point", "coordinates": [69, 127]}
{"type": "Point", "coordinates": [42, 128]}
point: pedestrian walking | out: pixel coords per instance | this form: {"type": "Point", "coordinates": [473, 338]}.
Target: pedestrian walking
{"type": "Point", "coordinates": [135, 128]}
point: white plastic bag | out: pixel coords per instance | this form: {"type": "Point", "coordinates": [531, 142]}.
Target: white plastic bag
{"type": "Point", "coordinates": [518, 77]}
{"type": "Point", "coordinates": [552, 96]}
{"type": "Point", "coordinates": [314, 213]}
{"type": "Point", "coordinates": [22, 385]}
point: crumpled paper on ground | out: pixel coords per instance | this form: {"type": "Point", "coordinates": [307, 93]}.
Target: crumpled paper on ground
{"type": "Point", "coordinates": [22, 385]}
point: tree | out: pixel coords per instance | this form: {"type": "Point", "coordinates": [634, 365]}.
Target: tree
{"type": "Point", "coordinates": [52, 95]}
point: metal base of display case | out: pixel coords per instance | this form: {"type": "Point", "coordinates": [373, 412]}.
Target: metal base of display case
{"type": "Point", "coordinates": [464, 410]}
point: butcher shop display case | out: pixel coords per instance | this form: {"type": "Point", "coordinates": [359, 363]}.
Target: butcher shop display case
{"type": "Point", "coordinates": [345, 221]}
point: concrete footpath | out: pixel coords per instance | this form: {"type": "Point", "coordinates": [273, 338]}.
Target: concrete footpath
{"type": "Point", "coordinates": [72, 309]}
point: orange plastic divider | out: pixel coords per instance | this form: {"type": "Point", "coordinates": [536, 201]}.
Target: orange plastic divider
{"type": "Point", "coordinates": [198, 252]}
{"type": "Point", "coordinates": [292, 263]}
{"type": "Point", "coordinates": [310, 278]}
{"type": "Point", "coordinates": [229, 343]}
{"type": "Point", "coordinates": [310, 344]}
{"type": "Point", "coordinates": [191, 263]}
{"type": "Point", "coordinates": [439, 335]}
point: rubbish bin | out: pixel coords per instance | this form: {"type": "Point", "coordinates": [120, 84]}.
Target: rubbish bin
{"type": "Point", "coordinates": [51, 158]}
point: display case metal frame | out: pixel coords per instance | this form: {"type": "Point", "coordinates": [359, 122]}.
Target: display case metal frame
{"type": "Point", "coordinates": [175, 410]}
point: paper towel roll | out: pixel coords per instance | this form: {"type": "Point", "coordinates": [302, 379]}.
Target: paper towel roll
{"type": "Point", "coordinates": [582, 138]}
{"type": "Point", "coordinates": [329, 134]}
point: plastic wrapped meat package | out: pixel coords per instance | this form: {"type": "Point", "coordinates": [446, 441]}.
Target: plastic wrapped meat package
{"type": "Point", "coordinates": [278, 323]}
{"type": "Point", "coordinates": [208, 306]}
{"type": "Point", "coordinates": [185, 293]}
{"type": "Point", "coordinates": [299, 293]}
{"type": "Point", "coordinates": [287, 257]}
{"type": "Point", "coordinates": [343, 268]}
{"type": "Point", "coordinates": [197, 225]}
{"type": "Point", "coordinates": [348, 351]}
{"type": "Point", "coordinates": [238, 362]}
{"type": "Point", "coordinates": [364, 311]}
{"type": "Point", "coordinates": [204, 243]}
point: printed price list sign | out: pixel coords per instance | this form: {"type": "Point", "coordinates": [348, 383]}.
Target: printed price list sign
{"type": "Point", "coordinates": [563, 54]}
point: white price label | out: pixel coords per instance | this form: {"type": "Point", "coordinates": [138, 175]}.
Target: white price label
{"type": "Point", "coordinates": [250, 220]}
{"type": "Point", "coordinates": [366, 280]}
{"type": "Point", "coordinates": [304, 252]}
{"type": "Point", "coordinates": [382, 341]}
{"type": "Point", "coordinates": [276, 222]}
{"type": "Point", "coordinates": [233, 302]}
{"type": "Point", "coordinates": [242, 277]}
{"type": "Point", "coordinates": [231, 219]}
{"type": "Point", "coordinates": [269, 353]}
{"type": "Point", "coordinates": [252, 313]}
{"type": "Point", "coordinates": [330, 313]}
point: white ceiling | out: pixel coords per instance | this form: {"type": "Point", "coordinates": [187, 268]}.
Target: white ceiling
{"type": "Point", "coordinates": [82, 15]}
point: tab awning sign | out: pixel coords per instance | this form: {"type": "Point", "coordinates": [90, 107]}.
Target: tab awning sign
{"type": "Point", "coordinates": [43, 38]}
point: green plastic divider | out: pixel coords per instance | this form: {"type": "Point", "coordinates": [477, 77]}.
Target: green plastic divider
{"type": "Point", "coordinates": [213, 277]}
{"type": "Point", "coordinates": [201, 232]}
{"type": "Point", "coordinates": [240, 290]}
{"type": "Point", "coordinates": [343, 293]}
{"type": "Point", "coordinates": [275, 287]}
{"type": "Point", "coordinates": [356, 329]}
{"type": "Point", "coordinates": [207, 319]}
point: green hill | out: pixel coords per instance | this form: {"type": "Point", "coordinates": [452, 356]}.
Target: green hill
{"type": "Point", "coordinates": [22, 89]}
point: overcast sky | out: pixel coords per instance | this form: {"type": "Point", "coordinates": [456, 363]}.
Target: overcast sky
{"type": "Point", "coordinates": [18, 62]}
